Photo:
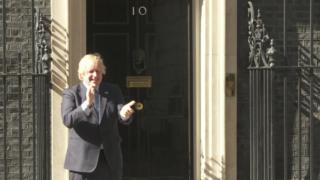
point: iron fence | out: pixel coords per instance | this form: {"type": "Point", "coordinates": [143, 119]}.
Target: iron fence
{"type": "Point", "coordinates": [284, 106]}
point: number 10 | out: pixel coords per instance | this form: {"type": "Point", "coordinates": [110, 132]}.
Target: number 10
{"type": "Point", "coordinates": [142, 10]}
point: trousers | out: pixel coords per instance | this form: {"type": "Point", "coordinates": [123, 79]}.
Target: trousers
{"type": "Point", "coordinates": [102, 171]}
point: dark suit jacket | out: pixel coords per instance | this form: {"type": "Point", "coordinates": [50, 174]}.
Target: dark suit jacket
{"type": "Point", "coordinates": [86, 134]}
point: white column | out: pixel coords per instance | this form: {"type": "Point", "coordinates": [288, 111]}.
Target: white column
{"type": "Point", "coordinates": [60, 73]}
{"type": "Point", "coordinates": [78, 36]}
{"type": "Point", "coordinates": [68, 46]}
{"type": "Point", "coordinates": [212, 91]}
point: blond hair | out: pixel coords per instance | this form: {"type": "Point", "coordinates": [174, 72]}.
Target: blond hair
{"type": "Point", "coordinates": [86, 59]}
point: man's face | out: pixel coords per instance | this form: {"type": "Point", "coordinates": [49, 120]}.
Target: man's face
{"type": "Point", "coordinates": [92, 75]}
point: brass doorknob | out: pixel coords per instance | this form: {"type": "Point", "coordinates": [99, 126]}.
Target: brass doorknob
{"type": "Point", "coordinates": [138, 106]}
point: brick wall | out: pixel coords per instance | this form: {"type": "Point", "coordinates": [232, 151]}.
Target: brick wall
{"type": "Point", "coordinates": [297, 41]}
{"type": "Point", "coordinates": [17, 127]}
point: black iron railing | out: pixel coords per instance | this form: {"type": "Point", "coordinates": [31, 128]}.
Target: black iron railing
{"type": "Point", "coordinates": [284, 106]}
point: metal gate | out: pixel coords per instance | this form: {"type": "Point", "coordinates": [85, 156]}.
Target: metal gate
{"type": "Point", "coordinates": [284, 100]}
{"type": "Point", "coordinates": [24, 95]}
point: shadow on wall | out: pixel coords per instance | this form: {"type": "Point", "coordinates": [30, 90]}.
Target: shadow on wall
{"type": "Point", "coordinates": [213, 169]}
{"type": "Point", "coordinates": [60, 55]}
{"type": "Point", "coordinates": [311, 105]}
{"type": "Point", "coordinates": [299, 48]}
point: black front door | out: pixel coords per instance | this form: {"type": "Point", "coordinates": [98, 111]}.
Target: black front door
{"type": "Point", "coordinates": [146, 48]}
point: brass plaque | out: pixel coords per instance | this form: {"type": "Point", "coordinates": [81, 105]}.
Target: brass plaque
{"type": "Point", "coordinates": [139, 81]}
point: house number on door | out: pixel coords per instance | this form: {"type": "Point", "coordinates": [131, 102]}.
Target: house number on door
{"type": "Point", "coordinates": [141, 10]}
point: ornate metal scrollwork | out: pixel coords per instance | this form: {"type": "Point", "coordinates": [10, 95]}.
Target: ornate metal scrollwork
{"type": "Point", "coordinates": [43, 49]}
{"type": "Point", "coordinates": [262, 51]}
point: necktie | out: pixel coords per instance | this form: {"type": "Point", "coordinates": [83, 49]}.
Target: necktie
{"type": "Point", "coordinates": [97, 104]}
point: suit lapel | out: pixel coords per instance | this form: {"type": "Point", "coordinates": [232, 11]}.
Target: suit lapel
{"type": "Point", "coordinates": [103, 101]}
{"type": "Point", "coordinates": [82, 92]}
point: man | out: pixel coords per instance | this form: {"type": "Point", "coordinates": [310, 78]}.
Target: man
{"type": "Point", "coordinates": [91, 110]}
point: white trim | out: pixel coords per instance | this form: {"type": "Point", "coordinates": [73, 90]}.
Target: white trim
{"type": "Point", "coordinates": [196, 89]}
{"type": "Point", "coordinates": [231, 102]}
{"type": "Point", "coordinates": [59, 79]}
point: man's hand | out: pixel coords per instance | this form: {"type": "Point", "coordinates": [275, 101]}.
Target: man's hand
{"type": "Point", "coordinates": [127, 111]}
{"type": "Point", "coordinates": [90, 95]}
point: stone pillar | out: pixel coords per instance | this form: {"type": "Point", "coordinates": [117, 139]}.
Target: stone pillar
{"type": "Point", "coordinates": [60, 74]}
{"type": "Point", "coordinates": [68, 45]}
{"type": "Point", "coordinates": [212, 89]}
